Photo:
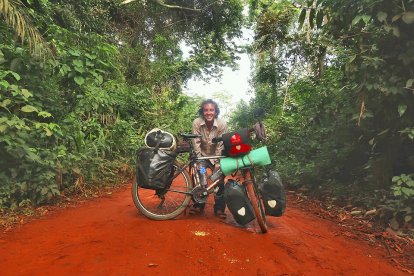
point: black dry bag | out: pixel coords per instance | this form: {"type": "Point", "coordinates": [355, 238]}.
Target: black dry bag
{"type": "Point", "coordinates": [155, 168]}
{"type": "Point", "coordinates": [236, 200]}
{"type": "Point", "coordinates": [160, 139]}
{"type": "Point", "coordinates": [273, 192]}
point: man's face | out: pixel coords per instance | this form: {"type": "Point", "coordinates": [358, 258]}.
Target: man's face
{"type": "Point", "coordinates": [209, 112]}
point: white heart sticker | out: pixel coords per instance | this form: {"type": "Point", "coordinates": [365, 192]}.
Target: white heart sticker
{"type": "Point", "coordinates": [241, 211]}
{"type": "Point", "coordinates": [272, 203]}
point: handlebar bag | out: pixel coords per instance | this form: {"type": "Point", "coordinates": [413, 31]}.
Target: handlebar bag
{"type": "Point", "coordinates": [273, 192]}
{"type": "Point", "coordinates": [154, 168]}
{"type": "Point", "coordinates": [237, 143]}
{"type": "Point", "coordinates": [237, 202]}
{"type": "Point", "coordinates": [157, 138]}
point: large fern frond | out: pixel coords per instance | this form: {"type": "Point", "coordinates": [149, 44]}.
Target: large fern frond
{"type": "Point", "coordinates": [16, 19]}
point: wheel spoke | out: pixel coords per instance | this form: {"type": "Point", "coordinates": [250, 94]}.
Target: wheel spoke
{"type": "Point", "coordinates": [255, 200]}
{"type": "Point", "coordinates": [168, 205]}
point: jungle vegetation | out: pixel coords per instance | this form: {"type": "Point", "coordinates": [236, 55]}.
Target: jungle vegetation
{"type": "Point", "coordinates": [81, 82]}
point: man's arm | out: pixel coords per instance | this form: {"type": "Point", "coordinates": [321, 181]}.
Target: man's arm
{"type": "Point", "coordinates": [196, 141]}
{"type": "Point", "coordinates": [220, 146]}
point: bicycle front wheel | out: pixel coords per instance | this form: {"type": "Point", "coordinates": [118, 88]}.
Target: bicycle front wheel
{"type": "Point", "coordinates": [168, 204]}
{"type": "Point", "coordinates": [257, 204]}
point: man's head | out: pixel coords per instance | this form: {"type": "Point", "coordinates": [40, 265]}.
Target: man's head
{"type": "Point", "coordinates": [209, 110]}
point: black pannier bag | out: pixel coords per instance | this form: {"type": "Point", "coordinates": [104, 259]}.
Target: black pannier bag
{"type": "Point", "coordinates": [160, 139]}
{"type": "Point", "coordinates": [155, 168]}
{"type": "Point", "coordinates": [273, 192]}
{"type": "Point", "coordinates": [237, 142]}
{"type": "Point", "coordinates": [237, 202]}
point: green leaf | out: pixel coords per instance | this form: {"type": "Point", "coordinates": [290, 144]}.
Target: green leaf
{"type": "Point", "coordinates": [366, 18]}
{"type": "Point", "coordinates": [31, 155]}
{"type": "Point", "coordinates": [5, 84]}
{"type": "Point", "coordinates": [99, 78]}
{"type": "Point", "coordinates": [383, 132]}
{"type": "Point", "coordinates": [78, 63]}
{"type": "Point", "coordinates": [408, 17]}
{"type": "Point", "coordinates": [409, 83]}
{"type": "Point", "coordinates": [28, 109]}
{"type": "Point", "coordinates": [89, 64]}
{"type": "Point", "coordinates": [396, 31]}
{"type": "Point", "coordinates": [76, 170]}
{"type": "Point", "coordinates": [352, 58]}
{"type": "Point", "coordinates": [44, 114]}
{"type": "Point", "coordinates": [356, 20]}
{"type": "Point", "coordinates": [319, 19]}
{"type": "Point", "coordinates": [382, 16]}
{"type": "Point", "coordinates": [396, 17]}
{"type": "Point", "coordinates": [2, 59]}
{"type": "Point", "coordinates": [26, 93]}
{"type": "Point", "coordinates": [5, 103]}
{"type": "Point", "coordinates": [311, 18]}
{"type": "Point", "coordinates": [90, 56]}
{"type": "Point", "coordinates": [407, 191]}
{"type": "Point", "coordinates": [75, 53]}
{"type": "Point", "coordinates": [79, 80]}
{"type": "Point", "coordinates": [302, 18]}
{"type": "Point", "coordinates": [80, 69]}
{"type": "Point", "coordinates": [44, 191]}
{"type": "Point", "coordinates": [15, 75]}
{"type": "Point", "coordinates": [371, 142]}
{"type": "Point", "coordinates": [401, 109]}
{"type": "Point", "coordinates": [48, 132]}
{"type": "Point", "coordinates": [3, 128]}
{"type": "Point", "coordinates": [65, 68]}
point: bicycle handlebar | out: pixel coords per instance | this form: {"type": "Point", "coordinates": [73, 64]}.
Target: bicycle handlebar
{"type": "Point", "coordinates": [190, 135]}
{"type": "Point", "coordinates": [258, 128]}
{"type": "Point", "coordinates": [216, 140]}
{"type": "Point", "coordinates": [220, 139]}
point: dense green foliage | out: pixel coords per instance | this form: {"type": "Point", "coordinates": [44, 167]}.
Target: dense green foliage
{"type": "Point", "coordinates": [336, 79]}
{"type": "Point", "coordinates": [73, 116]}
{"type": "Point", "coordinates": [85, 81]}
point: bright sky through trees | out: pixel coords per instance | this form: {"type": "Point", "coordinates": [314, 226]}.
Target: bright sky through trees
{"type": "Point", "coordinates": [233, 84]}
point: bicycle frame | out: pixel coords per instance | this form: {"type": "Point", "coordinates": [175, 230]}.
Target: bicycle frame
{"type": "Point", "coordinates": [191, 164]}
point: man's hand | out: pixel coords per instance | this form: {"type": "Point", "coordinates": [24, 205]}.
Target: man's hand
{"type": "Point", "coordinates": [216, 167]}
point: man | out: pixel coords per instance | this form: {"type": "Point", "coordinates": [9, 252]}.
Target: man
{"type": "Point", "coordinates": [209, 126]}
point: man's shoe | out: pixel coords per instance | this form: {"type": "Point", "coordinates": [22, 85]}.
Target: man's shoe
{"type": "Point", "coordinates": [196, 210]}
{"type": "Point", "coordinates": [220, 214]}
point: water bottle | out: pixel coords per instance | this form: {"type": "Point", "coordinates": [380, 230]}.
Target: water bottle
{"type": "Point", "coordinates": [219, 173]}
{"type": "Point", "coordinates": [203, 176]}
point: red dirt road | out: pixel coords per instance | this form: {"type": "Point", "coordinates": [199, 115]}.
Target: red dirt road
{"type": "Point", "coordinates": [107, 236]}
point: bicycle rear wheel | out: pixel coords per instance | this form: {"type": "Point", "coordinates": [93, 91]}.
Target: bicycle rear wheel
{"type": "Point", "coordinates": [166, 205]}
{"type": "Point", "coordinates": [257, 204]}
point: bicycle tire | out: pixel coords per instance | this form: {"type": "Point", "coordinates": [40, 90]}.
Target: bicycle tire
{"type": "Point", "coordinates": [150, 204]}
{"type": "Point", "coordinates": [257, 204]}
